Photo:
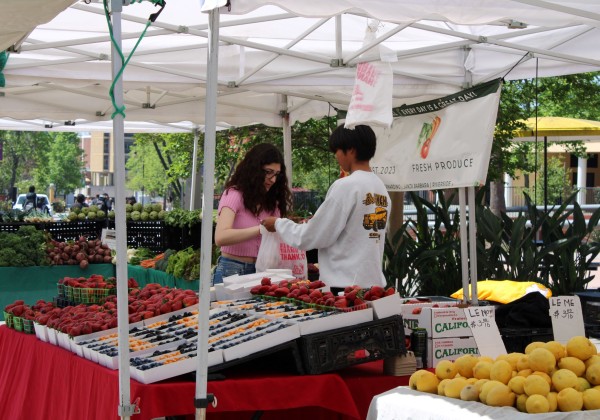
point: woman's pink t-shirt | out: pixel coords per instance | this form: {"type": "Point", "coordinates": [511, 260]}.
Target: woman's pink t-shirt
{"type": "Point", "coordinates": [244, 218]}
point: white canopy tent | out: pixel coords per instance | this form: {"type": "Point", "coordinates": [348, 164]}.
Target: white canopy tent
{"type": "Point", "coordinates": [294, 58]}
{"type": "Point", "coordinates": [286, 59]}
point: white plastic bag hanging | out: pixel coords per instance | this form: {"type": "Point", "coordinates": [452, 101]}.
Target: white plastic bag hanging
{"type": "Point", "coordinates": [268, 253]}
{"type": "Point", "coordinates": [274, 253]}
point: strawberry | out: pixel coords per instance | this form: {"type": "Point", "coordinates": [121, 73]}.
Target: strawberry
{"type": "Point", "coordinates": [189, 301]}
{"type": "Point", "coordinates": [165, 308]}
{"type": "Point", "coordinates": [266, 281]}
{"type": "Point", "coordinates": [341, 303]}
{"type": "Point", "coordinates": [389, 291]}
{"type": "Point", "coordinates": [359, 302]}
{"type": "Point", "coordinates": [416, 311]}
{"type": "Point", "coordinates": [377, 291]}
{"type": "Point", "coordinates": [255, 290]}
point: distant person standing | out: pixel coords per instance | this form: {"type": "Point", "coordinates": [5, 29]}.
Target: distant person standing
{"type": "Point", "coordinates": [105, 204]}
{"type": "Point", "coordinates": [30, 199]}
{"type": "Point", "coordinates": [79, 202]}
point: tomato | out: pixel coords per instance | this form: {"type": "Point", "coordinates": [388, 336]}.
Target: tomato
{"type": "Point", "coordinates": [425, 148]}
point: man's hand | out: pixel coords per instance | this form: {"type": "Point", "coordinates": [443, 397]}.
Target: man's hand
{"type": "Point", "coordinates": [269, 223]}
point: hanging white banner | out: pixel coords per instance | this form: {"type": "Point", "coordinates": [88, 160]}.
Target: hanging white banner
{"type": "Point", "coordinates": [443, 143]}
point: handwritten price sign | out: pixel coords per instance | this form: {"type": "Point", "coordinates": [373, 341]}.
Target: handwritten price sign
{"type": "Point", "coordinates": [567, 321]}
{"type": "Point", "coordinates": [482, 320]}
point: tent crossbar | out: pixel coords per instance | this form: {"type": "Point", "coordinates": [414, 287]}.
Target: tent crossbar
{"type": "Point", "coordinates": [290, 75]}
{"type": "Point", "coordinates": [289, 45]}
{"type": "Point", "coordinates": [377, 41]}
{"type": "Point", "coordinates": [492, 40]}
{"type": "Point", "coordinates": [560, 8]}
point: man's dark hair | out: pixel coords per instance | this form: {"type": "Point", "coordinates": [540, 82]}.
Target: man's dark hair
{"type": "Point", "coordinates": [32, 188]}
{"type": "Point", "coordinates": [361, 138]}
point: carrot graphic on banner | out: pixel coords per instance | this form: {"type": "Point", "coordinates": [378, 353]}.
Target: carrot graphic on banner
{"type": "Point", "coordinates": [427, 132]}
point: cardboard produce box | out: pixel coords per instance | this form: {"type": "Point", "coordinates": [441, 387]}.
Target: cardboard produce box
{"type": "Point", "coordinates": [450, 348]}
{"type": "Point", "coordinates": [440, 320]}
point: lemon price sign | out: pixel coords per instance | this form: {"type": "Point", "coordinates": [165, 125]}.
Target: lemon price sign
{"type": "Point", "coordinates": [566, 316]}
{"type": "Point", "coordinates": [482, 320]}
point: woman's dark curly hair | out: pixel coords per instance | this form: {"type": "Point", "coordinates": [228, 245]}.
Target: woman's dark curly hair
{"type": "Point", "coordinates": [249, 178]}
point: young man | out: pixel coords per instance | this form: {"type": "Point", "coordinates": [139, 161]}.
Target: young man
{"type": "Point", "coordinates": [349, 227]}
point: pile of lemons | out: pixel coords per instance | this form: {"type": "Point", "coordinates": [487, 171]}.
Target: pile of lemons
{"type": "Point", "coordinates": [547, 377]}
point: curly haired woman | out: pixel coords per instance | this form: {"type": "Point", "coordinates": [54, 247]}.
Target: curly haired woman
{"type": "Point", "coordinates": [257, 189]}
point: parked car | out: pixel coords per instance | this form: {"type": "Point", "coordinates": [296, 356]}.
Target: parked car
{"type": "Point", "coordinates": [42, 203]}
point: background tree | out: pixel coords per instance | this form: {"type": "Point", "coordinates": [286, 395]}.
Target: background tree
{"type": "Point", "coordinates": [62, 164]}
{"type": "Point", "coordinates": [22, 151]}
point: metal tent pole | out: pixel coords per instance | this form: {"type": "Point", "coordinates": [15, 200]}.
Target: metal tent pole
{"type": "Point", "coordinates": [287, 139]}
{"type": "Point", "coordinates": [201, 398]}
{"type": "Point", "coordinates": [473, 244]}
{"type": "Point", "coordinates": [126, 409]}
{"type": "Point", "coordinates": [194, 169]}
{"type": "Point", "coordinates": [464, 243]}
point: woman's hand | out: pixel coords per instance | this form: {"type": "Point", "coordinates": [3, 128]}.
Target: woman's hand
{"type": "Point", "coordinates": [269, 223]}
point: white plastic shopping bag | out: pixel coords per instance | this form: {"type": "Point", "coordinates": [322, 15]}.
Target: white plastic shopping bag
{"type": "Point", "coordinates": [274, 253]}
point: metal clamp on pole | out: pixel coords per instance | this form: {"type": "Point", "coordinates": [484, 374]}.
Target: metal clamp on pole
{"type": "Point", "coordinates": [204, 402]}
{"type": "Point", "coordinates": [130, 410]}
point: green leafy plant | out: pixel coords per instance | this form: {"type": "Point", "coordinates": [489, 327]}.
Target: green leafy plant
{"type": "Point", "coordinates": [181, 218]}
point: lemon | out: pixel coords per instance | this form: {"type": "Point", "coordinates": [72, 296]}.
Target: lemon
{"type": "Point", "coordinates": [592, 374]}
{"type": "Point", "coordinates": [446, 369]}
{"type": "Point", "coordinates": [542, 360]}
{"type": "Point", "coordinates": [442, 386]}
{"type": "Point", "coordinates": [534, 345]}
{"type": "Point", "coordinates": [535, 384]}
{"type": "Point", "coordinates": [500, 396]}
{"type": "Point", "coordinates": [485, 359]}
{"type": "Point", "coordinates": [516, 384]}
{"type": "Point", "coordinates": [569, 400]}
{"type": "Point", "coordinates": [412, 381]}
{"type": "Point", "coordinates": [537, 404]}
{"type": "Point", "coordinates": [573, 364]}
{"type": "Point", "coordinates": [455, 386]}
{"type": "Point", "coordinates": [582, 384]}
{"type": "Point", "coordinates": [552, 400]}
{"type": "Point", "coordinates": [428, 383]}
{"type": "Point", "coordinates": [480, 383]}
{"type": "Point", "coordinates": [523, 363]}
{"type": "Point", "coordinates": [485, 389]}
{"type": "Point", "coordinates": [581, 347]}
{"type": "Point", "coordinates": [556, 348]}
{"type": "Point", "coordinates": [464, 365]}
{"type": "Point", "coordinates": [501, 371]}
{"type": "Point", "coordinates": [564, 378]}
{"type": "Point", "coordinates": [525, 372]}
{"type": "Point", "coordinates": [591, 399]}
{"type": "Point", "coordinates": [592, 360]}
{"type": "Point", "coordinates": [469, 393]}
{"type": "Point", "coordinates": [545, 376]}
{"type": "Point", "coordinates": [482, 370]}
{"type": "Point", "coordinates": [520, 403]}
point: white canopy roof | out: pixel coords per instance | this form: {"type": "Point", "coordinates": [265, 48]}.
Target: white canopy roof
{"type": "Point", "coordinates": [286, 55]}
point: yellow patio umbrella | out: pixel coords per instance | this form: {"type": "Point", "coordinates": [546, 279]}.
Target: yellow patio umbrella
{"type": "Point", "coordinates": [558, 129]}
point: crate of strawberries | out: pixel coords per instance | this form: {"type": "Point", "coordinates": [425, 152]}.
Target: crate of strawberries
{"type": "Point", "coordinates": [94, 289]}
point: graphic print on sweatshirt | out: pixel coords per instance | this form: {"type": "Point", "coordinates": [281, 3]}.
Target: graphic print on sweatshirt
{"type": "Point", "coordinates": [378, 219]}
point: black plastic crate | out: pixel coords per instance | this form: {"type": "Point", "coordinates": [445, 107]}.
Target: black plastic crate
{"type": "Point", "coordinates": [592, 330]}
{"type": "Point", "coordinates": [72, 231]}
{"type": "Point", "coordinates": [362, 343]}
{"type": "Point", "coordinates": [590, 306]}
{"type": "Point", "coordinates": [516, 339]}
{"type": "Point", "coordinates": [146, 234]}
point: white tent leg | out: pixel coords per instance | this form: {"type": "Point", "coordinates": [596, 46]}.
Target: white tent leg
{"type": "Point", "coordinates": [464, 253]}
{"type": "Point", "coordinates": [126, 410]}
{"type": "Point", "coordinates": [473, 244]}
{"type": "Point", "coordinates": [202, 399]}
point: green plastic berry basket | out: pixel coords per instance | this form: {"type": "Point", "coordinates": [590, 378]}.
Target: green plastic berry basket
{"type": "Point", "coordinates": [8, 319]}
{"type": "Point", "coordinates": [89, 296]}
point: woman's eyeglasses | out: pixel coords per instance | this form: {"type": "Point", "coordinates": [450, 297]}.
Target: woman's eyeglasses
{"type": "Point", "coordinates": [270, 174]}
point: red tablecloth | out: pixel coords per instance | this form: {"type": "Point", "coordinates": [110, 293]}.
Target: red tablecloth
{"type": "Point", "coordinates": [39, 380]}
